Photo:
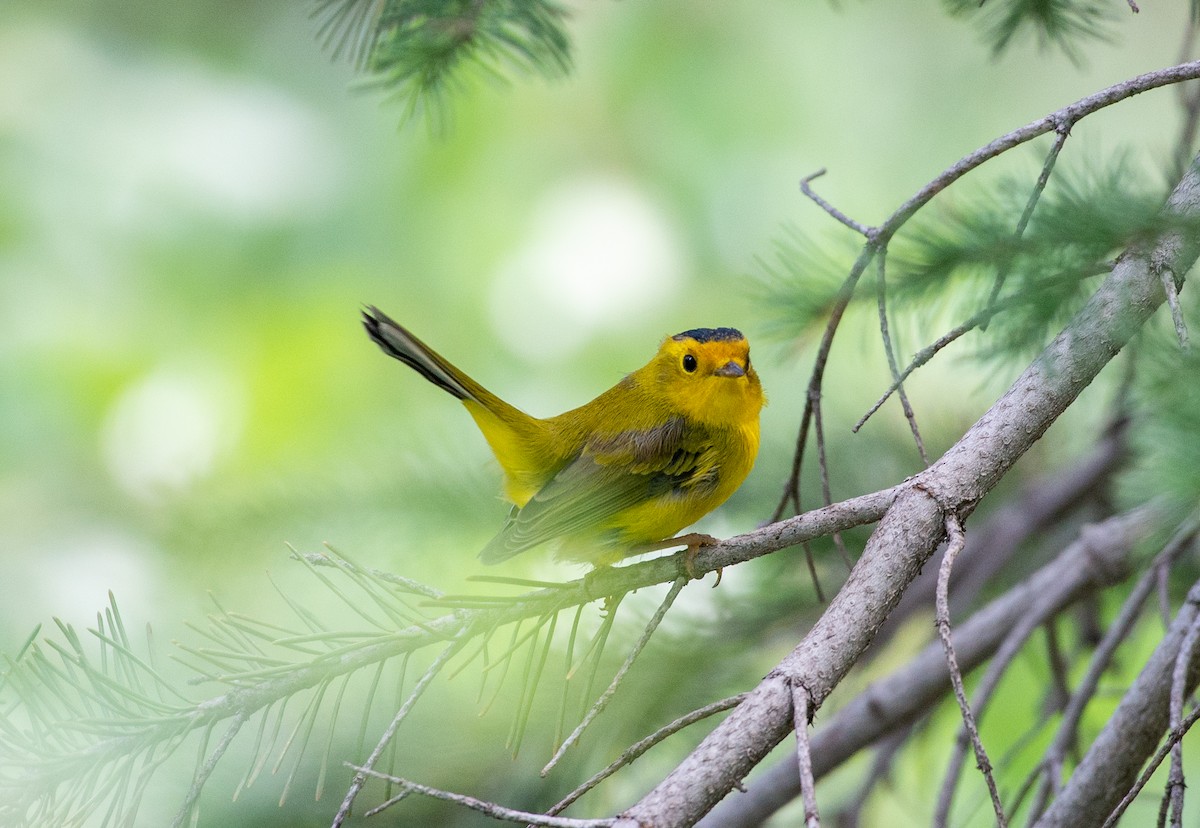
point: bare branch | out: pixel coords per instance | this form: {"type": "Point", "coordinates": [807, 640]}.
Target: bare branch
{"type": "Point", "coordinates": [1064, 738]}
{"type": "Point", "coordinates": [607, 695]}
{"type": "Point", "coordinates": [638, 748]}
{"type": "Point", "coordinates": [912, 528]}
{"type": "Point", "coordinates": [808, 786]}
{"type": "Point", "coordinates": [1099, 558]}
{"type": "Point", "coordinates": [856, 226]}
{"type": "Point", "coordinates": [1111, 764]}
{"type": "Point", "coordinates": [956, 540]}
{"type": "Point", "coordinates": [1173, 738]}
{"type": "Point", "coordinates": [360, 777]}
{"type": "Point", "coordinates": [1175, 785]}
{"type": "Point", "coordinates": [491, 809]}
{"type": "Point", "coordinates": [1169, 287]}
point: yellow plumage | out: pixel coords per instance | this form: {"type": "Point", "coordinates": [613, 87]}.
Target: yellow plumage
{"type": "Point", "coordinates": [625, 472]}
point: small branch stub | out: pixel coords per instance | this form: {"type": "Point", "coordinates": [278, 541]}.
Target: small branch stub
{"type": "Point", "coordinates": [801, 704]}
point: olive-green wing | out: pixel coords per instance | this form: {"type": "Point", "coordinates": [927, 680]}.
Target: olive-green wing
{"type": "Point", "coordinates": [612, 473]}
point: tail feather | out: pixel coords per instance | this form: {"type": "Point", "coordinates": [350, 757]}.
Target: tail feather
{"type": "Point", "coordinates": [398, 342]}
{"type": "Point", "coordinates": [522, 444]}
{"type": "Point", "coordinates": [501, 548]}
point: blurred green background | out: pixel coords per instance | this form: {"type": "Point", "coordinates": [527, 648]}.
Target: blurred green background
{"type": "Point", "coordinates": [195, 201]}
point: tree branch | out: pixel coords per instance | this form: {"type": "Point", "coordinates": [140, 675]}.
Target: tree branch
{"type": "Point", "coordinates": [1068, 727]}
{"type": "Point", "coordinates": [1061, 122]}
{"type": "Point", "coordinates": [914, 525]}
{"type": "Point", "coordinates": [1111, 765]}
{"type": "Point", "coordinates": [1098, 558]}
{"type": "Point", "coordinates": [956, 540]}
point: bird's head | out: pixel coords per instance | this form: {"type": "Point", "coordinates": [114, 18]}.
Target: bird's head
{"type": "Point", "coordinates": [707, 376]}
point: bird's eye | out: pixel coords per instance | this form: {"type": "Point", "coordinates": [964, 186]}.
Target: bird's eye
{"type": "Point", "coordinates": [689, 363]}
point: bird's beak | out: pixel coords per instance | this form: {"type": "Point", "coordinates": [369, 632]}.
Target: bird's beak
{"type": "Point", "coordinates": [730, 369]}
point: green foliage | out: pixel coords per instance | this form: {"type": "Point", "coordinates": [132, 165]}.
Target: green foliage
{"type": "Point", "coordinates": [88, 724]}
{"type": "Point", "coordinates": [962, 254]}
{"type": "Point", "coordinates": [83, 726]}
{"type": "Point", "coordinates": [91, 723]}
{"type": "Point", "coordinates": [419, 49]}
{"type": "Point", "coordinates": [797, 289]}
{"type": "Point", "coordinates": [1166, 432]}
{"type": "Point", "coordinates": [1061, 23]}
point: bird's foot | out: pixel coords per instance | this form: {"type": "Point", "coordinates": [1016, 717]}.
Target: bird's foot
{"type": "Point", "coordinates": [693, 541]}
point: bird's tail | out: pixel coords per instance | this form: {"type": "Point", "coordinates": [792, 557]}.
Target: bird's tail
{"type": "Point", "coordinates": [397, 341]}
{"type": "Point", "coordinates": [521, 443]}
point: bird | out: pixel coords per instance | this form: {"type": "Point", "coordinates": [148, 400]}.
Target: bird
{"type": "Point", "coordinates": [622, 474]}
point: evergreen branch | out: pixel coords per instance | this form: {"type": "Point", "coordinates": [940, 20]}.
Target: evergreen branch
{"type": "Point", "coordinates": [1062, 23]}
{"type": "Point", "coordinates": [914, 525]}
{"type": "Point", "coordinates": [419, 49]}
{"type": "Point", "coordinates": [1059, 121]}
{"type": "Point", "coordinates": [205, 770]}
{"type": "Point", "coordinates": [95, 732]}
{"type": "Point", "coordinates": [360, 777]}
{"type": "Point", "coordinates": [488, 808]}
{"type": "Point", "coordinates": [641, 746]}
{"type": "Point", "coordinates": [602, 702]}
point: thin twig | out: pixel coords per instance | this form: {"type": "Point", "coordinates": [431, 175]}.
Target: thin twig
{"type": "Point", "coordinates": [812, 572]}
{"type": "Point", "coordinates": [856, 226]}
{"type": "Point", "coordinates": [1174, 735]}
{"type": "Point", "coordinates": [1059, 669]}
{"type": "Point", "coordinates": [791, 492]}
{"type": "Point", "coordinates": [881, 292]}
{"type": "Point", "coordinates": [1175, 782]}
{"type": "Point", "coordinates": [202, 775]}
{"type": "Point", "coordinates": [1043, 179]}
{"type": "Point", "coordinates": [1173, 738]}
{"type": "Point", "coordinates": [489, 808]}
{"type": "Point", "coordinates": [1051, 766]}
{"type": "Point", "coordinates": [1043, 609]}
{"type": "Point", "coordinates": [607, 695]}
{"type": "Point", "coordinates": [923, 356]}
{"type": "Point", "coordinates": [808, 786]}
{"type": "Point", "coordinates": [638, 748]}
{"type": "Point", "coordinates": [957, 539]}
{"type": "Point", "coordinates": [1172, 292]}
{"type": "Point", "coordinates": [823, 468]}
{"type": "Point", "coordinates": [360, 776]}
{"type": "Point", "coordinates": [1189, 101]}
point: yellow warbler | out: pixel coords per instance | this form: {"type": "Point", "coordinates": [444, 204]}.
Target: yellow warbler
{"type": "Point", "coordinates": [625, 472]}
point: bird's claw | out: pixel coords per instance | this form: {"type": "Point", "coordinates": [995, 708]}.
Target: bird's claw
{"type": "Point", "coordinates": [694, 542]}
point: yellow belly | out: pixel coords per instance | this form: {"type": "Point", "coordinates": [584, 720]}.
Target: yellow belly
{"type": "Point", "coordinates": [661, 517]}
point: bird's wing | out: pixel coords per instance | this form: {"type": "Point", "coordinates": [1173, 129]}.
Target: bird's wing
{"type": "Point", "coordinates": [612, 473]}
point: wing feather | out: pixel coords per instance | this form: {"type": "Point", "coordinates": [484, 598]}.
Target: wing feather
{"type": "Point", "coordinates": [612, 473]}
